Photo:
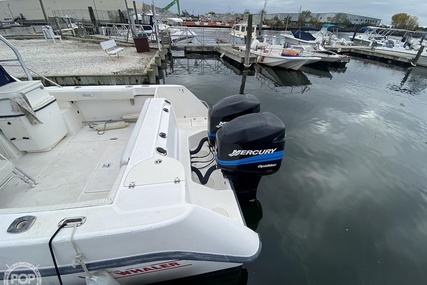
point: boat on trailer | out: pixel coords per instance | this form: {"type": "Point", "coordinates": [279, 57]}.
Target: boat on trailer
{"type": "Point", "coordinates": [127, 184]}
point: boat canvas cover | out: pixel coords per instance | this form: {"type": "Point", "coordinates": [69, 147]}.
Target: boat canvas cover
{"type": "Point", "coordinates": [303, 35]}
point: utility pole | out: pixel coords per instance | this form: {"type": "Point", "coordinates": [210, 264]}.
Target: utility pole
{"type": "Point", "coordinates": [44, 12]}
{"type": "Point", "coordinates": [131, 23]}
{"type": "Point", "coordinates": [96, 10]}
{"type": "Point", "coordinates": [261, 21]}
{"type": "Point", "coordinates": [8, 6]}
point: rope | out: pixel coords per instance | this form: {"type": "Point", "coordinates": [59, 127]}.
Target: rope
{"type": "Point", "coordinates": [78, 260]}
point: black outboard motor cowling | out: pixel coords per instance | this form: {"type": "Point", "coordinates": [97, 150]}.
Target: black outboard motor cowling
{"type": "Point", "coordinates": [227, 109]}
{"type": "Point", "coordinates": [249, 147]}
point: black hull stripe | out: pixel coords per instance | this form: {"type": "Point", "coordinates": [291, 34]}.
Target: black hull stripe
{"type": "Point", "coordinates": [135, 260]}
{"type": "Point", "coordinates": [35, 111]}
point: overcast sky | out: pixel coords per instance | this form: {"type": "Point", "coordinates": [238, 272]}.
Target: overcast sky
{"type": "Point", "coordinates": [382, 9]}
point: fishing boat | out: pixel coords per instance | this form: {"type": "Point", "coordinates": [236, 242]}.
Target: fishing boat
{"type": "Point", "coordinates": [177, 32]}
{"type": "Point", "coordinates": [239, 32]}
{"type": "Point", "coordinates": [308, 49]}
{"type": "Point", "coordinates": [307, 35]}
{"type": "Point", "coordinates": [327, 57]}
{"type": "Point", "coordinates": [285, 57]}
{"type": "Point", "coordinates": [129, 184]}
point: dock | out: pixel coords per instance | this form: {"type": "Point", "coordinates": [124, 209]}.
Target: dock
{"type": "Point", "coordinates": [226, 51]}
{"type": "Point", "coordinates": [77, 61]}
{"type": "Point", "coordinates": [371, 53]}
{"type": "Point", "coordinates": [235, 55]}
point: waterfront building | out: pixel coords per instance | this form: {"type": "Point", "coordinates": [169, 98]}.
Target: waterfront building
{"type": "Point", "coordinates": [327, 17]}
{"type": "Point", "coordinates": [107, 10]}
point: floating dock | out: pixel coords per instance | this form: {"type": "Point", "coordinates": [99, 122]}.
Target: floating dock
{"type": "Point", "coordinates": [372, 53]}
{"type": "Point", "coordinates": [78, 61]}
{"type": "Point", "coordinates": [235, 55]}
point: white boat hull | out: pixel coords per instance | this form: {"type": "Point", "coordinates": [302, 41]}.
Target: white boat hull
{"type": "Point", "coordinates": [124, 226]}
{"type": "Point", "coordinates": [126, 183]}
{"type": "Point", "coordinates": [274, 58]}
{"type": "Point", "coordinates": [178, 35]}
{"type": "Point", "coordinates": [295, 41]}
{"type": "Point", "coordinates": [314, 49]}
{"type": "Point", "coordinates": [142, 273]}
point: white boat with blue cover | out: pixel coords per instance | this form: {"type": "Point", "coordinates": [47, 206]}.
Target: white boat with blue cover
{"type": "Point", "coordinates": [123, 184]}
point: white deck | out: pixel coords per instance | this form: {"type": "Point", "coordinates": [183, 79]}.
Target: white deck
{"type": "Point", "coordinates": [81, 169]}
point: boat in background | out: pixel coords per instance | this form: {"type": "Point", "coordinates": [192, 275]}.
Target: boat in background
{"type": "Point", "coordinates": [284, 58]}
{"type": "Point", "coordinates": [327, 57]}
{"type": "Point", "coordinates": [127, 184]}
{"type": "Point", "coordinates": [240, 31]}
{"type": "Point", "coordinates": [309, 36]}
{"type": "Point", "coordinates": [309, 48]}
{"type": "Point", "coordinates": [177, 32]}
{"type": "Point", "coordinates": [207, 24]}
{"type": "Point", "coordinates": [388, 37]}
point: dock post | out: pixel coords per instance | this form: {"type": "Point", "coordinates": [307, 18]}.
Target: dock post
{"type": "Point", "coordinates": [417, 57]}
{"type": "Point", "coordinates": [247, 52]}
{"type": "Point", "coordinates": [151, 76]}
{"type": "Point", "coordinates": [248, 40]}
{"type": "Point", "coordinates": [356, 27]}
{"type": "Point", "coordinates": [154, 67]}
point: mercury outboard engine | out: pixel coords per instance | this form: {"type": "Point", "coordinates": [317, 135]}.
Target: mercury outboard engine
{"type": "Point", "coordinates": [227, 109]}
{"type": "Point", "coordinates": [249, 147]}
{"type": "Point", "coordinates": [246, 144]}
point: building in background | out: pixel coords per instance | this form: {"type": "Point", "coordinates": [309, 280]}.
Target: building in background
{"type": "Point", "coordinates": [111, 10]}
{"type": "Point", "coordinates": [103, 10]}
{"type": "Point", "coordinates": [327, 17]}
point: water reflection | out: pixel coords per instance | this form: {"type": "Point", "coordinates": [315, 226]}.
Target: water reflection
{"type": "Point", "coordinates": [198, 64]}
{"type": "Point", "coordinates": [413, 83]}
{"type": "Point", "coordinates": [252, 211]}
{"type": "Point", "coordinates": [237, 67]}
{"type": "Point", "coordinates": [204, 64]}
{"type": "Point", "coordinates": [294, 81]}
{"type": "Point", "coordinates": [348, 205]}
{"type": "Point", "coordinates": [317, 70]}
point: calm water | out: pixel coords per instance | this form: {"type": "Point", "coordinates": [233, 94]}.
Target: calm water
{"type": "Point", "coordinates": [349, 204]}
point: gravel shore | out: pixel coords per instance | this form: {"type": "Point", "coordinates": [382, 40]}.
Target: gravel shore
{"type": "Point", "coordinates": [72, 57]}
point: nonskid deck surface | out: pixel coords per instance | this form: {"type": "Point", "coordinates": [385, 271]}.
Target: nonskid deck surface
{"type": "Point", "coordinates": [80, 169]}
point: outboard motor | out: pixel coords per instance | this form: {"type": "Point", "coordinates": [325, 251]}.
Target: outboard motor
{"type": "Point", "coordinates": [227, 109]}
{"type": "Point", "coordinates": [249, 147]}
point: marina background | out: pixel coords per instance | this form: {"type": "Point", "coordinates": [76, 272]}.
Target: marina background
{"type": "Point", "coordinates": [349, 204]}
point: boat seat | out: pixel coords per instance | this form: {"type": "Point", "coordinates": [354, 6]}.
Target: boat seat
{"type": "Point", "coordinates": [8, 170]}
{"type": "Point", "coordinates": [49, 34]}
